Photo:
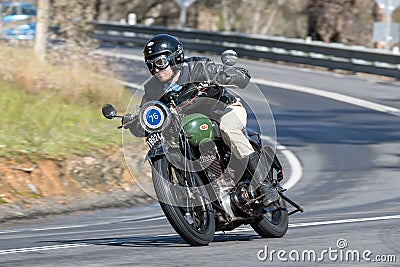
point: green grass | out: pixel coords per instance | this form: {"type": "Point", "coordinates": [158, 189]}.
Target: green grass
{"type": "Point", "coordinates": [54, 111]}
{"type": "Point", "coordinates": [45, 125]}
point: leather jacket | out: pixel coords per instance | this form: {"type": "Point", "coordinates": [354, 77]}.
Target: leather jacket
{"type": "Point", "coordinates": [201, 69]}
{"type": "Point", "coordinates": [194, 71]}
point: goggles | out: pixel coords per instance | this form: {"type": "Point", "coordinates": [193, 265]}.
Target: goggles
{"type": "Point", "coordinates": [161, 62]}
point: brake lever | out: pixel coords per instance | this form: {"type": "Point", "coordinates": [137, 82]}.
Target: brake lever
{"type": "Point", "coordinates": [125, 124]}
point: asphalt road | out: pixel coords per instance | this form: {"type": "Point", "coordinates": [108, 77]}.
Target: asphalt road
{"type": "Point", "coordinates": [350, 189]}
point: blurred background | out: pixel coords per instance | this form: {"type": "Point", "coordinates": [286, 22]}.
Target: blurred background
{"type": "Point", "coordinates": [329, 69]}
{"type": "Point", "coordinates": [342, 21]}
{"type": "Point", "coordinates": [52, 70]}
{"type": "Point", "coordinates": [349, 22]}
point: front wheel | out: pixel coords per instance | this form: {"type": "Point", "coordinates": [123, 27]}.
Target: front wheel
{"type": "Point", "coordinates": [273, 223]}
{"type": "Point", "coordinates": [189, 213]}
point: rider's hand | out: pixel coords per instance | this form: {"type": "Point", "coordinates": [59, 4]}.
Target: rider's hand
{"type": "Point", "coordinates": [234, 76]}
{"type": "Point", "coordinates": [132, 123]}
{"type": "Point", "coordinates": [225, 77]}
{"type": "Point", "coordinates": [127, 119]}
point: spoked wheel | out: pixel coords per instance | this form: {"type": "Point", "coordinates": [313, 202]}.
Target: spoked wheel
{"type": "Point", "coordinates": [189, 213]}
{"type": "Point", "coordinates": [273, 222]}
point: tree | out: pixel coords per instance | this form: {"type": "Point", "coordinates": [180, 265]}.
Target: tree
{"type": "Point", "coordinates": [73, 21]}
{"type": "Point", "coordinates": [342, 21]}
{"type": "Point", "coordinates": [42, 22]}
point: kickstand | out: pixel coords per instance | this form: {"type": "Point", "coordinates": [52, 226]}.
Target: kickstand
{"type": "Point", "coordinates": [291, 202]}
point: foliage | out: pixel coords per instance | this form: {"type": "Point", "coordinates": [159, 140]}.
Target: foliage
{"type": "Point", "coordinates": [36, 127]}
{"type": "Point", "coordinates": [345, 21]}
{"type": "Point", "coordinates": [53, 111]}
{"type": "Point", "coordinates": [72, 21]}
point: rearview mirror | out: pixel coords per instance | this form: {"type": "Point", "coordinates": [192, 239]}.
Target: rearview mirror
{"type": "Point", "coordinates": [109, 111]}
{"type": "Point", "coordinates": [229, 57]}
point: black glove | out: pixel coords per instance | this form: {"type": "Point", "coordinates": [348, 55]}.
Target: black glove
{"type": "Point", "coordinates": [127, 118]}
{"type": "Point", "coordinates": [224, 77]}
{"type": "Point", "coordinates": [132, 123]}
{"type": "Point", "coordinates": [234, 75]}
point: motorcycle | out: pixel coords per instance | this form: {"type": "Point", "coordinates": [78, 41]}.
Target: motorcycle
{"type": "Point", "coordinates": [198, 187]}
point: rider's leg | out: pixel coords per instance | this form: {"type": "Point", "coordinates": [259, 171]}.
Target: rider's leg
{"type": "Point", "coordinates": [274, 162]}
{"type": "Point", "coordinates": [232, 124]}
{"type": "Point", "coordinates": [258, 170]}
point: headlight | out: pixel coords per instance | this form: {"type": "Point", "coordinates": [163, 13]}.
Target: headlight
{"type": "Point", "coordinates": [154, 116]}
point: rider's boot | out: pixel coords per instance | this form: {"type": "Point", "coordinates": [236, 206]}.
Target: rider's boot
{"type": "Point", "coordinates": [258, 174]}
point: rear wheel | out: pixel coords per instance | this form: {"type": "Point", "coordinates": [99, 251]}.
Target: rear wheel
{"type": "Point", "coordinates": [273, 222]}
{"type": "Point", "coordinates": [189, 213]}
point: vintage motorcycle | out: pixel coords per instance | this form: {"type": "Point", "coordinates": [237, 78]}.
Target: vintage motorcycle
{"type": "Point", "coordinates": [196, 178]}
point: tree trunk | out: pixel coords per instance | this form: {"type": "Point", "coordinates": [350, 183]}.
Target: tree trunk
{"type": "Point", "coordinates": [42, 22]}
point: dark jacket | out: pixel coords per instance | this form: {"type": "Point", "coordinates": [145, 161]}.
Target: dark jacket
{"type": "Point", "coordinates": [196, 70]}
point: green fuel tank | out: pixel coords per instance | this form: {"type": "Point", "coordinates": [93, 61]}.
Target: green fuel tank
{"type": "Point", "coordinates": [199, 127]}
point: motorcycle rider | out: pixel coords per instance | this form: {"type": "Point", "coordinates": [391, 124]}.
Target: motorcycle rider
{"type": "Point", "coordinates": [164, 57]}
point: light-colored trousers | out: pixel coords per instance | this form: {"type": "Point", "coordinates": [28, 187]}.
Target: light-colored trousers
{"type": "Point", "coordinates": [232, 124]}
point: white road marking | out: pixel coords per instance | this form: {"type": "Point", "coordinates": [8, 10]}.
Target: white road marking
{"type": "Point", "coordinates": [370, 219]}
{"type": "Point", "coordinates": [95, 232]}
{"type": "Point", "coordinates": [238, 230]}
{"type": "Point", "coordinates": [331, 95]}
{"type": "Point", "coordinates": [126, 218]}
{"type": "Point", "coordinates": [293, 179]}
{"type": "Point", "coordinates": [154, 219]}
{"type": "Point", "coordinates": [296, 171]}
{"type": "Point", "coordinates": [292, 159]}
{"type": "Point", "coordinates": [35, 249]}
{"type": "Point", "coordinates": [314, 91]}
{"type": "Point", "coordinates": [332, 222]}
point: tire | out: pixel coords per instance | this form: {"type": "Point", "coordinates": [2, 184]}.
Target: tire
{"type": "Point", "coordinates": [272, 224]}
{"type": "Point", "coordinates": [194, 223]}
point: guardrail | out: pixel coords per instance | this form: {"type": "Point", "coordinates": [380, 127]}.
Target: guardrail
{"type": "Point", "coordinates": [331, 56]}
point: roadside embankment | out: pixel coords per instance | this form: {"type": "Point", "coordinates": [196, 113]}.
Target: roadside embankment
{"type": "Point", "coordinates": [50, 187]}
{"type": "Point", "coordinates": [57, 153]}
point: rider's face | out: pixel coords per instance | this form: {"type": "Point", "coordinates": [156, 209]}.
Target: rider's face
{"type": "Point", "coordinates": [163, 75]}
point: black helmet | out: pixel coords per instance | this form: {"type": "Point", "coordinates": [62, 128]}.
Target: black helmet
{"type": "Point", "coordinates": [163, 44]}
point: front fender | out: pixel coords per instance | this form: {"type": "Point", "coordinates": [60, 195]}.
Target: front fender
{"type": "Point", "coordinates": [155, 152]}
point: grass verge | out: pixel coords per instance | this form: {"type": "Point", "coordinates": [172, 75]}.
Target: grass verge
{"type": "Point", "coordinates": [54, 111]}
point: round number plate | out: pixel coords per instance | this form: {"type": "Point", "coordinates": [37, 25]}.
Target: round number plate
{"type": "Point", "coordinates": [153, 117]}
